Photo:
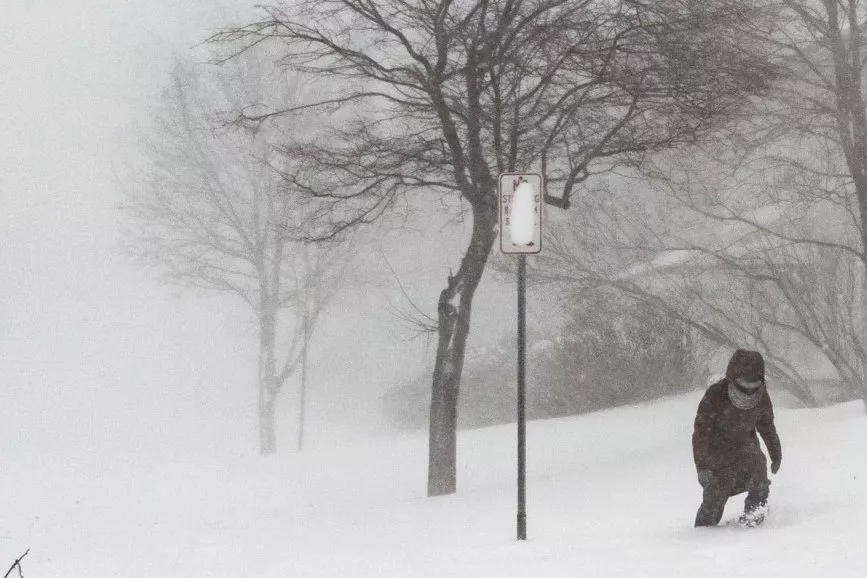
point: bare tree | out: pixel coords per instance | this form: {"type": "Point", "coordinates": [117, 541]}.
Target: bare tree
{"type": "Point", "coordinates": [737, 255]}
{"type": "Point", "coordinates": [449, 94]}
{"type": "Point", "coordinates": [779, 259]}
{"type": "Point", "coordinates": [714, 284]}
{"type": "Point", "coordinates": [211, 211]}
{"type": "Point", "coordinates": [817, 145]}
{"type": "Point", "coordinates": [821, 109]}
{"type": "Point", "coordinates": [794, 270]}
{"type": "Point", "coordinates": [799, 157]}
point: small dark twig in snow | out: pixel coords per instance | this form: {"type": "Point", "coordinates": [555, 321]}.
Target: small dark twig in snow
{"type": "Point", "coordinates": [16, 564]}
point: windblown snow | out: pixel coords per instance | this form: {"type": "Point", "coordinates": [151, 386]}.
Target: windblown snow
{"type": "Point", "coordinates": [609, 494]}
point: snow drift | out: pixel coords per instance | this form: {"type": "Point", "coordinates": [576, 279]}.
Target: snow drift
{"type": "Point", "coordinates": [610, 494]}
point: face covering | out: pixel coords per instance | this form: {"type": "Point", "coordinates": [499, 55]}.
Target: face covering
{"type": "Point", "coordinates": [746, 394]}
{"type": "Point", "coordinates": [748, 386]}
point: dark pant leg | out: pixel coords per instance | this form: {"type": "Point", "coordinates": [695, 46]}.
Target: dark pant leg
{"type": "Point", "coordinates": [713, 504]}
{"type": "Point", "coordinates": [757, 484]}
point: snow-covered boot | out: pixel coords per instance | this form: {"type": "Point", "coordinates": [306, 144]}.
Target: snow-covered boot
{"type": "Point", "coordinates": [754, 516]}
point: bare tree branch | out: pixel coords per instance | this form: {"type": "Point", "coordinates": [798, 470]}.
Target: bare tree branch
{"type": "Point", "coordinates": [17, 564]}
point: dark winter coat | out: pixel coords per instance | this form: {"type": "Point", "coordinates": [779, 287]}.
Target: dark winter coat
{"type": "Point", "coordinates": [724, 435]}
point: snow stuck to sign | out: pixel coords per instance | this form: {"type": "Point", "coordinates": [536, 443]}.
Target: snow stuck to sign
{"type": "Point", "coordinates": [610, 494]}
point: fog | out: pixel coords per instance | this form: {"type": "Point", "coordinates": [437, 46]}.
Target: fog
{"type": "Point", "coordinates": [91, 347]}
{"type": "Point", "coordinates": [99, 361]}
{"type": "Point", "coordinates": [128, 406]}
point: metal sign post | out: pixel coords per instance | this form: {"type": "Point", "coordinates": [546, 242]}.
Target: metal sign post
{"type": "Point", "coordinates": [520, 196]}
{"type": "Point", "coordinates": [522, 400]}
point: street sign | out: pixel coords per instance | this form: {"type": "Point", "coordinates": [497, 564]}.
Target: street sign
{"type": "Point", "coordinates": [520, 197]}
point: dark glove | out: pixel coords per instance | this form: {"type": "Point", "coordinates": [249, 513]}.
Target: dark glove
{"type": "Point", "coordinates": [704, 477]}
{"type": "Point", "coordinates": [775, 466]}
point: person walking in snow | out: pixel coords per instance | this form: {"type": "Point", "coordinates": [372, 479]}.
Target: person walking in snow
{"type": "Point", "coordinates": [728, 458]}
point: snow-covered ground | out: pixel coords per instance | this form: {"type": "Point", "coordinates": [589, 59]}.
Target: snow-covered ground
{"type": "Point", "coordinates": [610, 494]}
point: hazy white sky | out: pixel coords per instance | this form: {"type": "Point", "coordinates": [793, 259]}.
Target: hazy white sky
{"type": "Point", "coordinates": [94, 355]}
{"type": "Point", "coordinates": [86, 341]}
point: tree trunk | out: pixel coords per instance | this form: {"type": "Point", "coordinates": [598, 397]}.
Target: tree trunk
{"type": "Point", "coordinates": [302, 402]}
{"type": "Point", "coordinates": [863, 327]}
{"type": "Point", "coordinates": [860, 174]}
{"type": "Point", "coordinates": [267, 439]}
{"type": "Point", "coordinates": [851, 120]}
{"type": "Point", "coordinates": [454, 309]}
{"type": "Point", "coordinates": [267, 379]}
